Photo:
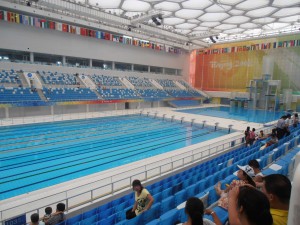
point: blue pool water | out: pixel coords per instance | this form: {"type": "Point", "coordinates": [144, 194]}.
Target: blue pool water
{"type": "Point", "coordinates": [250, 115]}
{"type": "Point", "coordinates": [40, 155]}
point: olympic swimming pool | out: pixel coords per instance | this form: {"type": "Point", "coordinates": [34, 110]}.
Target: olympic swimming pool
{"type": "Point", "coordinates": [250, 115]}
{"type": "Point", "coordinates": [40, 155]}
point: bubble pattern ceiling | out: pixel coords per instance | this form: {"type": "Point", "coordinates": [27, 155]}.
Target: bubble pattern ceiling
{"type": "Point", "coordinates": [228, 18]}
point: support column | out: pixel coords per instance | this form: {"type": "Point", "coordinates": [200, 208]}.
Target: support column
{"type": "Point", "coordinates": [52, 110]}
{"type": "Point", "coordinates": [113, 65]}
{"type": "Point", "coordinates": [64, 60]}
{"type": "Point", "coordinates": [91, 63]}
{"type": "Point", "coordinates": [163, 70]}
{"type": "Point", "coordinates": [87, 108]}
{"type": "Point", "coordinates": [6, 113]}
{"type": "Point", "coordinates": [31, 57]}
{"type": "Point", "coordinates": [132, 67]}
{"type": "Point", "coordinates": [116, 106]}
{"type": "Point", "coordinates": [149, 69]}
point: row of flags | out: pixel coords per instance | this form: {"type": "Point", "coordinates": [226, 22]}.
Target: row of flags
{"type": "Point", "coordinates": [253, 47]}
{"type": "Point", "coordinates": [47, 24]}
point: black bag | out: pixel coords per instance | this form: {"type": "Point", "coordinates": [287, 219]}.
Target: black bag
{"type": "Point", "coordinates": [130, 214]}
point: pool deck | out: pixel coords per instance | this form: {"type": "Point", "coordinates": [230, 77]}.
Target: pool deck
{"type": "Point", "coordinates": [239, 126]}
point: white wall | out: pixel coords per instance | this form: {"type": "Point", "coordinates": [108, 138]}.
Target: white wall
{"type": "Point", "coordinates": [26, 38]}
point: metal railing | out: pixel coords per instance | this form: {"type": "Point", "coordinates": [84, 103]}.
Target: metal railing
{"type": "Point", "coordinates": [109, 185]}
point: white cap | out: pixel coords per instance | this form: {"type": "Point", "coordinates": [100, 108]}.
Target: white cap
{"type": "Point", "coordinates": [248, 170]}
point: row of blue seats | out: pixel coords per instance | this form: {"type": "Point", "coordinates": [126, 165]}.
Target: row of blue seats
{"type": "Point", "coordinates": [140, 82]}
{"type": "Point", "coordinates": [69, 94]}
{"type": "Point", "coordinates": [168, 202]}
{"type": "Point", "coordinates": [184, 103]}
{"type": "Point", "coordinates": [17, 94]}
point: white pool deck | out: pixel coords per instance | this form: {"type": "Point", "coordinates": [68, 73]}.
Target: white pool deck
{"type": "Point", "coordinates": [40, 198]}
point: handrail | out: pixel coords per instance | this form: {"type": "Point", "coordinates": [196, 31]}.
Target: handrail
{"type": "Point", "coordinates": [116, 182]}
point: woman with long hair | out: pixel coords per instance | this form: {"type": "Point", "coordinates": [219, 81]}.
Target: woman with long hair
{"type": "Point", "coordinates": [194, 210]}
{"type": "Point", "coordinates": [143, 200]}
{"type": "Point", "coordinates": [248, 206]}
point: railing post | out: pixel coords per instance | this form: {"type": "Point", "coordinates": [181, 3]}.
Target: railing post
{"type": "Point", "coordinates": [229, 128]}
{"type": "Point", "coordinates": [155, 114]}
{"type": "Point", "coordinates": [141, 112]}
{"type": "Point", "coordinates": [192, 122]}
{"type": "Point", "coordinates": [148, 114]}
{"type": "Point", "coordinates": [216, 125]}
{"type": "Point", "coordinates": [182, 118]}
{"type": "Point", "coordinates": [203, 123]}
{"type": "Point", "coordinates": [172, 118]}
{"type": "Point", "coordinates": [164, 115]}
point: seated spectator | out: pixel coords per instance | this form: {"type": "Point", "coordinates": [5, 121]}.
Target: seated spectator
{"type": "Point", "coordinates": [48, 211]}
{"type": "Point", "coordinates": [245, 175]}
{"type": "Point", "coordinates": [247, 136]}
{"type": "Point", "coordinates": [58, 216]}
{"type": "Point", "coordinates": [261, 135]}
{"type": "Point", "coordinates": [248, 206]}
{"type": "Point", "coordinates": [287, 125]}
{"type": "Point", "coordinates": [143, 200]}
{"type": "Point", "coordinates": [252, 136]}
{"type": "Point", "coordinates": [278, 190]}
{"type": "Point", "coordinates": [194, 209]}
{"type": "Point", "coordinates": [35, 220]}
{"type": "Point", "coordinates": [273, 140]}
{"type": "Point", "coordinates": [254, 164]}
{"type": "Point", "coordinates": [280, 127]}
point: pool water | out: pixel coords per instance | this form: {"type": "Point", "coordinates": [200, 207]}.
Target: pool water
{"type": "Point", "coordinates": [250, 115]}
{"type": "Point", "coordinates": [40, 155]}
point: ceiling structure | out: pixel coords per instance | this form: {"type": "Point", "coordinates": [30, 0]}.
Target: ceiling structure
{"type": "Point", "coordinates": [228, 20]}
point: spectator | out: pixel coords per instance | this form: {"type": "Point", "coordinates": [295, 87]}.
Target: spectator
{"type": "Point", "coordinates": [35, 220]}
{"type": "Point", "coordinates": [272, 141]}
{"type": "Point", "coordinates": [254, 164]}
{"type": "Point", "coordinates": [48, 211]}
{"type": "Point", "coordinates": [247, 136]}
{"type": "Point", "coordinates": [295, 120]}
{"type": "Point", "coordinates": [278, 190]}
{"type": "Point", "coordinates": [261, 135]}
{"type": "Point", "coordinates": [252, 136]}
{"type": "Point", "coordinates": [287, 125]}
{"type": "Point", "coordinates": [248, 206]}
{"type": "Point", "coordinates": [245, 175]}
{"type": "Point", "coordinates": [143, 200]}
{"type": "Point", "coordinates": [194, 209]}
{"type": "Point", "coordinates": [280, 127]}
{"type": "Point", "coordinates": [58, 216]}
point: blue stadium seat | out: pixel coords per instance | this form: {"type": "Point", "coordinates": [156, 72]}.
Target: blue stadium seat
{"type": "Point", "coordinates": [73, 220]}
{"type": "Point", "coordinates": [167, 204]}
{"type": "Point", "coordinates": [169, 217]}
{"type": "Point", "coordinates": [89, 221]}
{"type": "Point", "coordinates": [180, 197]}
{"type": "Point", "coordinates": [152, 213]}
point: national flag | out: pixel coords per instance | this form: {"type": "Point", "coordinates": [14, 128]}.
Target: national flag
{"type": "Point", "coordinates": [17, 17]}
{"type": "Point", "coordinates": [1, 15]}
{"type": "Point", "coordinates": [58, 26]}
{"type": "Point", "coordinates": [78, 30]}
{"type": "Point", "coordinates": [82, 31]}
{"type": "Point", "coordinates": [102, 35]}
{"type": "Point", "coordinates": [5, 15]}
{"type": "Point", "coordinates": [108, 36]}
{"type": "Point", "coordinates": [52, 25]}
{"type": "Point", "coordinates": [98, 34]}
{"type": "Point", "coordinates": [37, 22]}
{"type": "Point", "coordinates": [65, 27]}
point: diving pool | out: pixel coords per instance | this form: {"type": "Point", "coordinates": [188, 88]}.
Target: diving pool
{"type": "Point", "coordinates": [40, 155]}
{"type": "Point", "coordinates": [250, 115]}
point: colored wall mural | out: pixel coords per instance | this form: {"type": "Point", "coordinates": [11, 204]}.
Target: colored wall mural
{"type": "Point", "coordinates": [230, 67]}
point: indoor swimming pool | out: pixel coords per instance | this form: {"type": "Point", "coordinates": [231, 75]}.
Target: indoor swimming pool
{"type": "Point", "coordinates": [250, 115]}
{"type": "Point", "coordinates": [40, 155]}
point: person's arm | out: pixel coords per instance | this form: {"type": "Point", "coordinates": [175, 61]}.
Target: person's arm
{"type": "Point", "coordinates": [214, 215]}
{"type": "Point", "coordinates": [151, 200]}
{"type": "Point", "coordinates": [232, 207]}
{"type": "Point", "coordinates": [134, 206]}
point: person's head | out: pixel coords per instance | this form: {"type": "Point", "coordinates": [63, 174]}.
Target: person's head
{"type": "Point", "coordinates": [48, 210]}
{"type": "Point", "coordinates": [137, 186]}
{"type": "Point", "coordinates": [254, 164]}
{"type": "Point", "coordinates": [248, 128]}
{"type": "Point", "coordinates": [194, 209]}
{"type": "Point", "coordinates": [277, 189]}
{"type": "Point", "coordinates": [288, 116]}
{"type": "Point", "coordinates": [60, 207]}
{"type": "Point", "coordinates": [261, 132]}
{"type": "Point", "coordinates": [246, 173]}
{"type": "Point", "coordinates": [274, 131]}
{"type": "Point", "coordinates": [253, 129]}
{"type": "Point", "coordinates": [253, 206]}
{"type": "Point", "coordinates": [34, 218]}
{"type": "Point", "coordinates": [296, 114]}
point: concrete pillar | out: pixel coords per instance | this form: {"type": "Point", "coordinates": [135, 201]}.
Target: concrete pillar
{"type": "Point", "coordinates": [87, 108]}
{"type": "Point", "coordinates": [52, 110]}
{"type": "Point", "coordinates": [91, 63]}
{"type": "Point", "coordinates": [64, 60]}
{"type": "Point", "coordinates": [6, 113]}
{"type": "Point", "coordinates": [163, 70]}
{"type": "Point", "coordinates": [149, 69]}
{"type": "Point", "coordinates": [116, 106]}
{"type": "Point", "coordinates": [31, 57]}
{"type": "Point", "coordinates": [113, 65]}
{"type": "Point", "coordinates": [132, 67]}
